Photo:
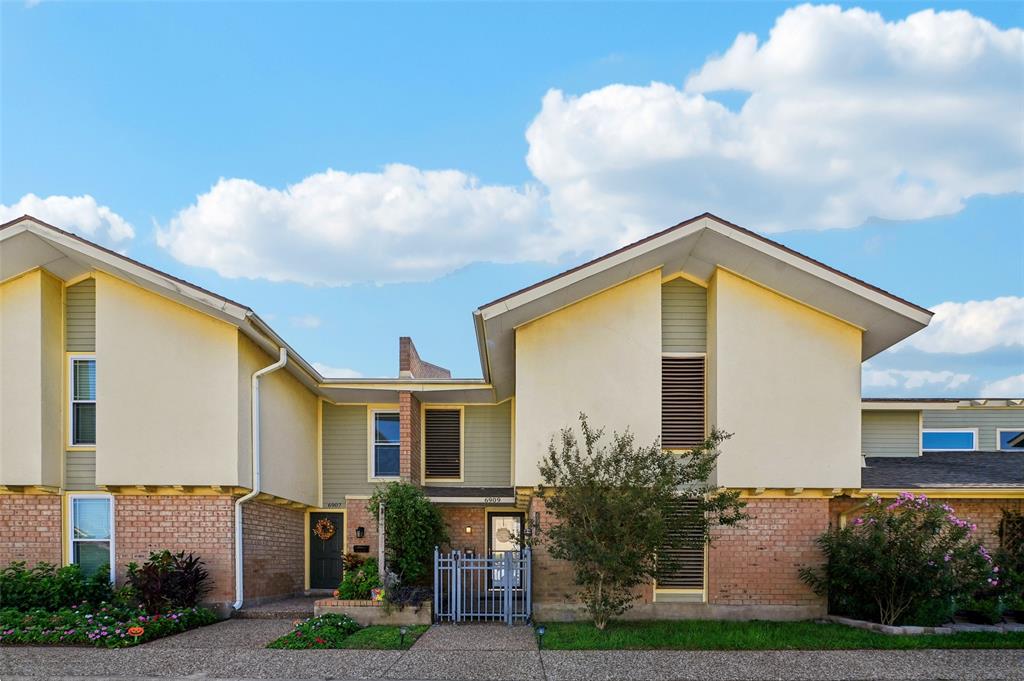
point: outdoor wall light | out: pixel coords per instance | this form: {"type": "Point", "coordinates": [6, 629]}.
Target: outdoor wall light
{"type": "Point", "coordinates": [469, 529]}
{"type": "Point", "coordinates": [360, 532]}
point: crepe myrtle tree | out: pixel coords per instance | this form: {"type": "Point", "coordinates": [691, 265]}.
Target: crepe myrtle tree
{"type": "Point", "coordinates": [613, 501]}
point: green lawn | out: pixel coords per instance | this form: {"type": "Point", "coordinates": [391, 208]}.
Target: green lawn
{"type": "Point", "coordinates": [383, 638]}
{"type": "Point", "coordinates": [708, 635]}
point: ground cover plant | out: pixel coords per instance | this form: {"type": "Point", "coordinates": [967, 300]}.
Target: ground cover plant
{"type": "Point", "coordinates": [756, 635]}
{"type": "Point", "coordinates": [601, 493]}
{"type": "Point", "coordinates": [341, 631]}
{"type": "Point", "coordinates": [903, 561]}
{"type": "Point", "coordinates": [105, 626]}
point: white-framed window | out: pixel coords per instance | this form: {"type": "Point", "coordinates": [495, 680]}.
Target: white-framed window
{"type": "Point", "coordinates": [1010, 439]}
{"type": "Point", "coordinates": [949, 440]}
{"type": "Point", "coordinates": [82, 396]}
{"type": "Point", "coordinates": [91, 539]}
{"type": "Point", "coordinates": [386, 444]}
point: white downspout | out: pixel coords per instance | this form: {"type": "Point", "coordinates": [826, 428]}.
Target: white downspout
{"type": "Point", "coordinates": [255, 425]}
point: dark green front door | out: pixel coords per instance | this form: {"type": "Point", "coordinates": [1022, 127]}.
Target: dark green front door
{"type": "Point", "coordinates": [326, 543]}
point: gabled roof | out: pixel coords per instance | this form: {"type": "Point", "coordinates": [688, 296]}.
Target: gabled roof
{"type": "Point", "coordinates": [697, 247]}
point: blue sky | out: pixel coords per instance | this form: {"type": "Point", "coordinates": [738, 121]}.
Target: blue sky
{"type": "Point", "coordinates": [300, 144]}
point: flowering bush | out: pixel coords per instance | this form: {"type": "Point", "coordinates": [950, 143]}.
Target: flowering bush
{"type": "Point", "coordinates": [105, 626]}
{"type": "Point", "coordinates": [901, 562]}
{"type": "Point", "coordinates": [325, 631]}
{"type": "Point", "coordinates": [357, 583]}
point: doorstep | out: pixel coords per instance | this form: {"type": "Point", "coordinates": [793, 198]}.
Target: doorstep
{"type": "Point", "coordinates": [296, 607]}
{"type": "Point", "coordinates": [370, 613]}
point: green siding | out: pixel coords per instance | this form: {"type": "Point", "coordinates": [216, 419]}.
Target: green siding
{"type": "Point", "coordinates": [344, 453]}
{"type": "Point", "coordinates": [80, 317]}
{"type": "Point", "coordinates": [986, 420]}
{"type": "Point", "coordinates": [80, 471]}
{"type": "Point", "coordinates": [487, 445]}
{"type": "Point", "coordinates": [890, 433]}
{"type": "Point", "coordinates": [684, 314]}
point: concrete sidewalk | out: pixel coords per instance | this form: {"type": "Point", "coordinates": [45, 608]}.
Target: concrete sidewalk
{"type": "Point", "coordinates": [234, 650]}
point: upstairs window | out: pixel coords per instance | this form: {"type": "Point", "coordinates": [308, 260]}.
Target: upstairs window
{"type": "Point", "coordinates": [386, 441]}
{"type": "Point", "coordinates": [83, 401]}
{"type": "Point", "coordinates": [442, 444]}
{"type": "Point", "coordinates": [682, 401]}
{"type": "Point", "coordinates": [1010, 439]}
{"type": "Point", "coordinates": [949, 440]}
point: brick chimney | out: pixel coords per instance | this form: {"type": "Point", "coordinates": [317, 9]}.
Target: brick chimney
{"type": "Point", "coordinates": [411, 366]}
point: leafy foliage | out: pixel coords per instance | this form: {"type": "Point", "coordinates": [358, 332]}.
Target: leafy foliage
{"type": "Point", "coordinates": [612, 503]}
{"type": "Point", "coordinates": [412, 527]}
{"type": "Point", "coordinates": [1010, 560]}
{"type": "Point", "coordinates": [325, 631]}
{"type": "Point", "coordinates": [52, 588]}
{"type": "Point", "coordinates": [901, 562]}
{"type": "Point", "coordinates": [105, 626]}
{"type": "Point", "coordinates": [168, 580]}
{"type": "Point", "coordinates": [358, 581]}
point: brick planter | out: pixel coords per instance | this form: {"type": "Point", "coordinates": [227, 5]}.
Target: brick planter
{"type": "Point", "coordinates": [369, 613]}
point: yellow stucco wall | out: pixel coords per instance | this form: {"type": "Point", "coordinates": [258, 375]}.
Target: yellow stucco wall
{"type": "Point", "coordinates": [167, 391]}
{"type": "Point", "coordinates": [31, 361]}
{"type": "Point", "coordinates": [288, 423]}
{"type": "Point", "coordinates": [601, 356]}
{"type": "Point", "coordinates": [785, 379]}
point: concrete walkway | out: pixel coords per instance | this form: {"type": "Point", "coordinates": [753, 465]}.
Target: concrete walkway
{"type": "Point", "coordinates": [234, 650]}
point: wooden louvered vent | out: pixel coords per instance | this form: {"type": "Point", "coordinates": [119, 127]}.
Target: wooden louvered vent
{"type": "Point", "coordinates": [442, 443]}
{"type": "Point", "coordinates": [682, 402]}
{"type": "Point", "coordinates": [681, 561]}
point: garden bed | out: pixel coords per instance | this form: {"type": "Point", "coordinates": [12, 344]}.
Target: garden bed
{"type": "Point", "coordinates": [334, 631]}
{"type": "Point", "coordinates": [103, 627]}
{"type": "Point", "coordinates": [370, 612]}
{"type": "Point", "coordinates": [756, 635]}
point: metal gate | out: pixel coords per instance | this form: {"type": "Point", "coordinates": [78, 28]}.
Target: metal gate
{"type": "Point", "coordinates": [491, 589]}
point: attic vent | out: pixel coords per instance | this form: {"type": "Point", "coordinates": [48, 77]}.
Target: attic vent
{"type": "Point", "coordinates": [682, 402]}
{"type": "Point", "coordinates": [443, 441]}
{"type": "Point", "coordinates": [681, 560]}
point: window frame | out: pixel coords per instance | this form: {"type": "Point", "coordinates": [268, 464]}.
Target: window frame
{"type": "Point", "coordinates": [972, 431]}
{"type": "Point", "coordinates": [70, 519]}
{"type": "Point", "coordinates": [461, 408]}
{"type": "Point", "coordinates": [72, 359]}
{"type": "Point", "coordinates": [372, 441]}
{"type": "Point", "coordinates": [999, 439]}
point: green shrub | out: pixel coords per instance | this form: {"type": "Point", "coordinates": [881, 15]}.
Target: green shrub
{"type": "Point", "coordinates": [412, 528]}
{"type": "Point", "coordinates": [901, 562]}
{"type": "Point", "coordinates": [168, 580]}
{"type": "Point", "coordinates": [1010, 560]}
{"type": "Point", "coordinates": [325, 631]}
{"type": "Point", "coordinates": [104, 626]}
{"type": "Point", "coordinates": [52, 588]}
{"type": "Point", "coordinates": [357, 582]}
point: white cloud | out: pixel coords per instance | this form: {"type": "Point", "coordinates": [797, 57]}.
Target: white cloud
{"type": "Point", "coordinates": [910, 379]}
{"type": "Point", "coordinates": [1011, 386]}
{"type": "Point", "coordinates": [307, 321]}
{"type": "Point", "coordinates": [79, 214]}
{"type": "Point", "coordinates": [335, 372]}
{"type": "Point", "coordinates": [972, 326]}
{"type": "Point", "coordinates": [402, 224]}
{"type": "Point", "coordinates": [849, 116]}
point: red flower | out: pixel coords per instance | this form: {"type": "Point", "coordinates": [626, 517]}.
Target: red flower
{"type": "Point", "coordinates": [320, 640]}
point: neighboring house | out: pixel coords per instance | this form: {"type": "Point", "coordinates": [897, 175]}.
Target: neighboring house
{"type": "Point", "coordinates": [133, 406]}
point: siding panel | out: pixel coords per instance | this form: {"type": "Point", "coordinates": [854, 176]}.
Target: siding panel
{"type": "Point", "coordinates": [985, 420]}
{"type": "Point", "coordinates": [684, 313]}
{"type": "Point", "coordinates": [80, 471]}
{"type": "Point", "coordinates": [890, 433]}
{"type": "Point", "coordinates": [344, 452]}
{"type": "Point", "coordinates": [488, 445]}
{"type": "Point", "coordinates": [80, 317]}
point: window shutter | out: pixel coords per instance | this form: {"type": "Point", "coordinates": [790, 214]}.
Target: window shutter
{"type": "Point", "coordinates": [682, 402]}
{"type": "Point", "coordinates": [443, 436]}
{"type": "Point", "coordinates": [681, 561]}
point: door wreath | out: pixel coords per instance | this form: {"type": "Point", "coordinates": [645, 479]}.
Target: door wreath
{"type": "Point", "coordinates": [324, 529]}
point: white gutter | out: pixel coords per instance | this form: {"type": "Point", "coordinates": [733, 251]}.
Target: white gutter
{"type": "Point", "coordinates": [255, 425]}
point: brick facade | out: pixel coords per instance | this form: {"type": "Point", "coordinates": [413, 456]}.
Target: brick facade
{"type": "Point", "coordinates": [203, 525]}
{"type": "Point", "coordinates": [274, 551]}
{"type": "Point", "coordinates": [357, 514]}
{"type": "Point", "coordinates": [410, 434]}
{"type": "Point", "coordinates": [457, 519]}
{"type": "Point", "coordinates": [30, 528]}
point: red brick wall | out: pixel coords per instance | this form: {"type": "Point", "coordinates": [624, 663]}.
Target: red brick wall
{"type": "Point", "coordinates": [758, 562]}
{"type": "Point", "coordinates": [457, 518]}
{"type": "Point", "coordinates": [273, 551]}
{"type": "Point", "coordinates": [410, 434]}
{"type": "Point", "coordinates": [30, 528]}
{"type": "Point", "coordinates": [203, 525]}
{"type": "Point", "coordinates": [552, 579]}
{"type": "Point", "coordinates": [358, 515]}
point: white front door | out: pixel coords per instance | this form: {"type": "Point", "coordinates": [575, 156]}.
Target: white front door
{"type": "Point", "coordinates": [505, 531]}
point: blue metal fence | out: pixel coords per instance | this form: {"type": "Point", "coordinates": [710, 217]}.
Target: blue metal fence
{"type": "Point", "coordinates": [491, 589]}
